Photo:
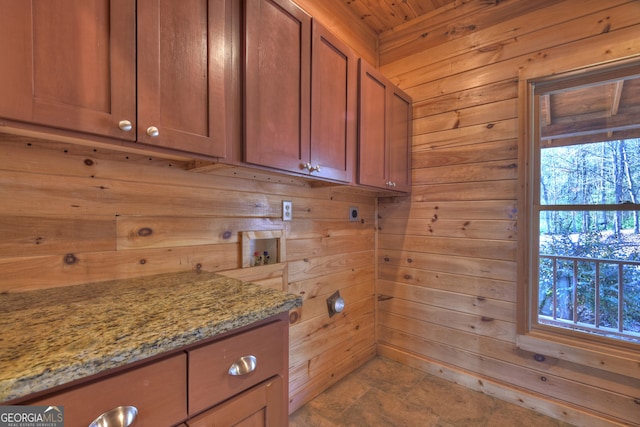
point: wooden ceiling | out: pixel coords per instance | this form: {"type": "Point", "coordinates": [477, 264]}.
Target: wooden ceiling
{"type": "Point", "coordinates": [598, 112]}
{"type": "Point", "coordinates": [383, 15]}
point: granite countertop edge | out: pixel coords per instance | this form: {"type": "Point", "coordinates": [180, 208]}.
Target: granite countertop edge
{"type": "Point", "coordinates": [247, 303]}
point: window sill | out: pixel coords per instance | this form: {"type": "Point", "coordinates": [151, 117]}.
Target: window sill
{"type": "Point", "coordinates": [592, 354]}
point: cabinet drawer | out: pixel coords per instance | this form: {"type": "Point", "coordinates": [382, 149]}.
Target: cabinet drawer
{"type": "Point", "coordinates": [209, 378]}
{"type": "Point", "coordinates": [158, 390]}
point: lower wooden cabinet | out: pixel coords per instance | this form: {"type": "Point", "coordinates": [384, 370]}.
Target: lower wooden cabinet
{"type": "Point", "coordinates": [257, 407]}
{"type": "Point", "coordinates": [238, 379]}
{"type": "Point", "coordinates": [256, 353]}
{"type": "Point", "coordinates": [158, 390]}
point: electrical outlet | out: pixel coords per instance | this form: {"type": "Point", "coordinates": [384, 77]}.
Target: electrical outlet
{"type": "Point", "coordinates": [287, 210]}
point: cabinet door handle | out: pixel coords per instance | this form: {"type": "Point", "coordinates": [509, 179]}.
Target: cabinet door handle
{"type": "Point", "coordinates": [315, 168]}
{"type": "Point", "coordinates": [125, 125]}
{"type": "Point", "coordinates": [306, 166]}
{"type": "Point", "coordinates": [122, 416]}
{"type": "Point", "coordinates": [153, 131]}
{"type": "Point", "coordinates": [243, 366]}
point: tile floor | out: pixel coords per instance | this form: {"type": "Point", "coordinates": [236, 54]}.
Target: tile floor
{"type": "Point", "coordinates": [387, 393]}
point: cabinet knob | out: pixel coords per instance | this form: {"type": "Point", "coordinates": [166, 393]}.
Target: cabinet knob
{"type": "Point", "coordinates": [153, 131]}
{"type": "Point", "coordinates": [122, 416]}
{"type": "Point", "coordinates": [125, 125]}
{"type": "Point", "coordinates": [243, 366]}
{"type": "Point", "coordinates": [310, 168]}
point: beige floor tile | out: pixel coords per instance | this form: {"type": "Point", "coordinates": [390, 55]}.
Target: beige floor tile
{"type": "Point", "coordinates": [381, 409]}
{"type": "Point", "coordinates": [453, 403]}
{"type": "Point", "coordinates": [386, 393]}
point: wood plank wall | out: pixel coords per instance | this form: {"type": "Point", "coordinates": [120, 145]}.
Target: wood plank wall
{"type": "Point", "coordinates": [72, 214]}
{"type": "Point", "coordinates": [447, 254]}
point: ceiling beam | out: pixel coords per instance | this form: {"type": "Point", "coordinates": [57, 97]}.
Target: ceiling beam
{"type": "Point", "coordinates": [595, 137]}
{"type": "Point", "coordinates": [617, 95]}
{"type": "Point", "coordinates": [545, 106]}
{"type": "Point", "coordinates": [619, 122]}
{"type": "Point", "coordinates": [615, 103]}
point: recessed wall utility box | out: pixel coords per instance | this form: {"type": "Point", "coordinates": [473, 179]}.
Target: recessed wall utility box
{"type": "Point", "coordinates": [335, 304]}
{"type": "Point", "coordinates": [262, 247]}
{"type": "Point", "coordinates": [353, 213]}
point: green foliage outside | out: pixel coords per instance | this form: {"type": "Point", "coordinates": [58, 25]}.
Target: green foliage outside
{"type": "Point", "coordinates": [584, 248]}
{"type": "Point", "coordinates": [586, 178]}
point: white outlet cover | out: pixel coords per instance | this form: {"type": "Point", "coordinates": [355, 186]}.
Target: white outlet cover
{"type": "Point", "coordinates": [287, 210]}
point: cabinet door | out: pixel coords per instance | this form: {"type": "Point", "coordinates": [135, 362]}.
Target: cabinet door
{"type": "Point", "coordinates": [399, 154]}
{"type": "Point", "coordinates": [184, 74]}
{"type": "Point", "coordinates": [384, 150]}
{"type": "Point", "coordinates": [257, 407]}
{"type": "Point", "coordinates": [334, 106]}
{"type": "Point", "coordinates": [372, 150]}
{"type": "Point", "coordinates": [277, 86]}
{"type": "Point", "coordinates": [70, 64]}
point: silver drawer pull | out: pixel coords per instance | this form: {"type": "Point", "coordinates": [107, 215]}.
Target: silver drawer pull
{"type": "Point", "coordinates": [243, 366]}
{"type": "Point", "coordinates": [122, 416]}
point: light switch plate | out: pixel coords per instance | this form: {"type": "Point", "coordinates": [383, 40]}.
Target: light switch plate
{"type": "Point", "coordinates": [287, 210]}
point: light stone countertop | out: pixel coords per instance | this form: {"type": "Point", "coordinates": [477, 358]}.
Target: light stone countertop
{"type": "Point", "coordinates": [55, 336]}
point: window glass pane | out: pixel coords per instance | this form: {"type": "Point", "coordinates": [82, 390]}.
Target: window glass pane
{"type": "Point", "coordinates": [564, 290]}
{"type": "Point", "coordinates": [586, 308]}
{"type": "Point", "coordinates": [608, 311]}
{"type": "Point", "coordinates": [545, 287]}
{"type": "Point", "coordinates": [590, 234]}
{"type": "Point", "coordinates": [590, 174]}
{"type": "Point", "coordinates": [631, 305]}
{"type": "Point", "coordinates": [589, 271]}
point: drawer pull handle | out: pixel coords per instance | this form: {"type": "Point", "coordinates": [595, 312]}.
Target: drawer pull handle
{"type": "Point", "coordinates": [243, 366]}
{"type": "Point", "coordinates": [122, 416]}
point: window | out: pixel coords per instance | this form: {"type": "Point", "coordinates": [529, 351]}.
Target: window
{"type": "Point", "coordinates": [582, 205]}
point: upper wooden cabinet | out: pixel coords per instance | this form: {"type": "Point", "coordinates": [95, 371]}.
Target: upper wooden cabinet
{"type": "Point", "coordinates": [384, 152]}
{"type": "Point", "coordinates": [277, 87]}
{"type": "Point", "coordinates": [334, 106]}
{"type": "Point", "coordinates": [168, 74]}
{"type": "Point", "coordinates": [300, 93]}
{"type": "Point", "coordinates": [184, 74]}
{"type": "Point", "coordinates": [69, 64]}
{"type": "Point", "coordinates": [73, 66]}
